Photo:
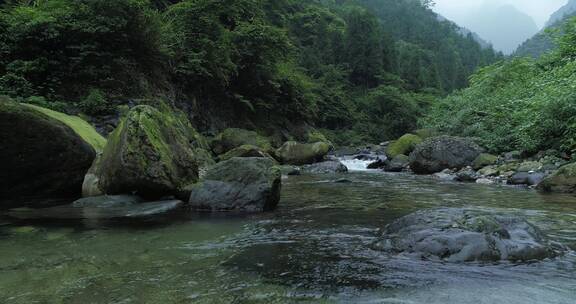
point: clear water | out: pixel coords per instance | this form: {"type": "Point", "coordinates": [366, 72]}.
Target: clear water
{"type": "Point", "coordinates": [314, 249]}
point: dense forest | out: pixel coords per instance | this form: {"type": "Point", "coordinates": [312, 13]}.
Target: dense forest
{"type": "Point", "coordinates": [360, 70]}
{"type": "Point", "coordinates": [520, 104]}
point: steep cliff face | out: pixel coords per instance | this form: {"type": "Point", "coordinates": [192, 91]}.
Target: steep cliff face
{"type": "Point", "coordinates": [567, 10]}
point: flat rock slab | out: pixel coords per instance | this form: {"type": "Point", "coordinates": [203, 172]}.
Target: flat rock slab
{"type": "Point", "coordinates": [460, 235]}
{"type": "Point", "coordinates": [122, 210]}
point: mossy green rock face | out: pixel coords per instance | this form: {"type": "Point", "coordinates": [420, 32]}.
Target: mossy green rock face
{"type": "Point", "coordinates": [247, 184]}
{"type": "Point", "coordinates": [44, 153]}
{"type": "Point", "coordinates": [234, 138]}
{"type": "Point", "coordinates": [150, 154]}
{"type": "Point", "coordinates": [293, 153]}
{"type": "Point", "coordinates": [404, 145]}
{"type": "Point", "coordinates": [244, 151]}
{"type": "Point", "coordinates": [484, 160]}
{"type": "Point", "coordinates": [563, 181]}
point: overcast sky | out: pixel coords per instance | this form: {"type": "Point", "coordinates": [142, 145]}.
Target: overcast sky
{"type": "Point", "coordinates": [539, 10]}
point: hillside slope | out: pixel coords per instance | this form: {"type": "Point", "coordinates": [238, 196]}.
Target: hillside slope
{"type": "Point", "coordinates": [350, 67]}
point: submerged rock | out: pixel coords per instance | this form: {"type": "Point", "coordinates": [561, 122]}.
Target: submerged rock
{"type": "Point", "coordinates": [467, 175]}
{"type": "Point", "coordinates": [238, 184]}
{"type": "Point", "coordinates": [327, 167]}
{"type": "Point", "coordinates": [444, 152]}
{"type": "Point", "coordinates": [104, 209]}
{"type": "Point", "coordinates": [293, 153]}
{"type": "Point", "coordinates": [44, 153]}
{"type": "Point", "coordinates": [562, 181]}
{"type": "Point", "coordinates": [458, 235]}
{"type": "Point", "coordinates": [150, 154]}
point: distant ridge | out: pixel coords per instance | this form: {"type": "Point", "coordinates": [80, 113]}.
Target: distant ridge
{"type": "Point", "coordinates": [542, 43]}
{"type": "Point", "coordinates": [465, 32]}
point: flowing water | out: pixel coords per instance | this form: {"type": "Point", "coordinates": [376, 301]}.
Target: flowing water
{"type": "Point", "coordinates": [314, 249]}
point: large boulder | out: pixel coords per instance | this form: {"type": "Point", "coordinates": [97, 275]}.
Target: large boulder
{"type": "Point", "coordinates": [327, 167]}
{"type": "Point", "coordinates": [238, 184]}
{"type": "Point", "coordinates": [526, 178]}
{"type": "Point", "coordinates": [458, 235]}
{"type": "Point", "coordinates": [562, 181]}
{"type": "Point", "coordinates": [44, 153]}
{"type": "Point", "coordinates": [293, 153]}
{"type": "Point", "coordinates": [443, 152]}
{"type": "Point", "coordinates": [151, 153]}
{"type": "Point", "coordinates": [234, 138]}
{"type": "Point", "coordinates": [403, 146]}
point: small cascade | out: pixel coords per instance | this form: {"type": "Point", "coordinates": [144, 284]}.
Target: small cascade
{"type": "Point", "coordinates": [355, 164]}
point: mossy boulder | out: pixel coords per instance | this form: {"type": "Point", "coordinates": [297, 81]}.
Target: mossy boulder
{"type": "Point", "coordinates": [397, 164]}
{"type": "Point", "coordinates": [404, 145]}
{"type": "Point", "coordinates": [44, 153]}
{"type": "Point", "coordinates": [484, 160]}
{"type": "Point", "coordinates": [244, 151]}
{"type": "Point", "coordinates": [246, 184]}
{"type": "Point", "coordinates": [294, 153]}
{"type": "Point", "coordinates": [149, 154]}
{"type": "Point", "coordinates": [563, 181]}
{"type": "Point", "coordinates": [234, 138]}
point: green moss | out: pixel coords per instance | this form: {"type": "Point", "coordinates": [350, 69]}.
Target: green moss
{"type": "Point", "coordinates": [80, 126]}
{"type": "Point", "coordinates": [244, 151]}
{"type": "Point", "coordinates": [314, 136]}
{"type": "Point", "coordinates": [484, 160]}
{"type": "Point", "coordinates": [234, 138]}
{"type": "Point", "coordinates": [563, 181]}
{"type": "Point", "coordinates": [294, 153]}
{"type": "Point", "coordinates": [404, 145]}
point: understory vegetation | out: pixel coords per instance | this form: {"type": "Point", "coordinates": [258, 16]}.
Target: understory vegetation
{"type": "Point", "coordinates": [520, 104]}
{"type": "Point", "coordinates": [359, 70]}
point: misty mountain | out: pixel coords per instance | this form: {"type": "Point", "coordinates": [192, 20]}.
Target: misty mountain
{"type": "Point", "coordinates": [465, 32]}
{"type": "Point", "coordinates": [504, 26]}
{"type": "Point", "coordinates": [567, 10]}
{"type": "Point", "coordinates": [542, 42]}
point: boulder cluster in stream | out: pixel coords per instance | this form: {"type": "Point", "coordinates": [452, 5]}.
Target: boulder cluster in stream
{"type": "Point", "coordinates": [154, 162]}
{"type": "Point", "coordinates": [459, 235]}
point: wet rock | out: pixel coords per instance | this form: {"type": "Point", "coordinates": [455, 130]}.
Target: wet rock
{"type": "Point", "coordinates": [397, 164]}
{"type": "Point", "coordinates": [444, 152]}
{"type": "Point", "coordinates": [467, 175]}
{"type": "Point", "coordinates": [526, 178]}
{"type": "Point", "coordinates": [326, 167]}
{"type": "Point", "coordinates": [485, 181]}
{"type": "Point", "coordinates": [378, 164]}
{"type": "Point", "coordinates": [293, 153]}
{"type": "Point", "coordinates": [290, 170]}
{"type": "Point", "coordinates": [445, 175]}
{"type": "Point", "coordinates": [44, 153]}
{"type": "Point", "coordinates": [488, 171]}
{"type": "Point", "coordinates": [238, 184]}
{"type": "Point", "coordinates": [562, 181]}
{"type": "Point", "coordinates": [458, 235]}
{"type": "Point", "coordinates": [102, 210]}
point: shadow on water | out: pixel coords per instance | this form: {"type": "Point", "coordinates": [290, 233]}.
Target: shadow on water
{"type": "Point", "coordinates": [316, 248]}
